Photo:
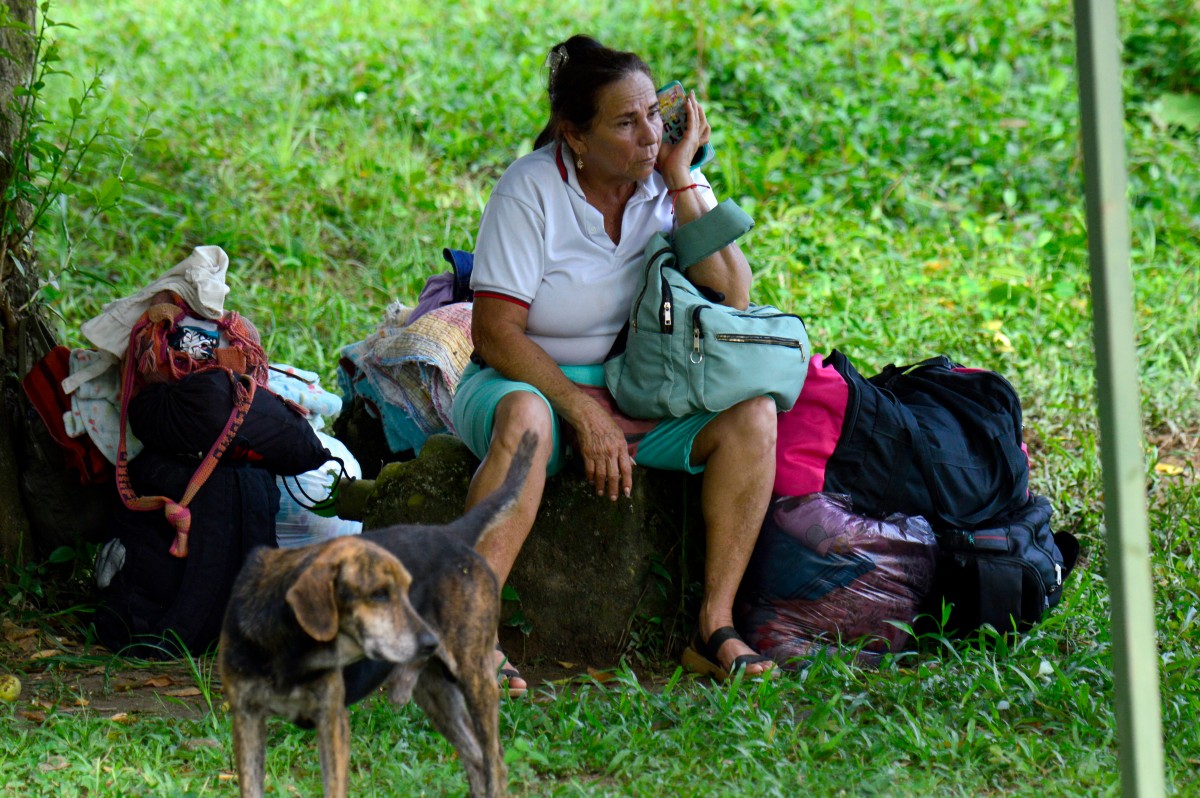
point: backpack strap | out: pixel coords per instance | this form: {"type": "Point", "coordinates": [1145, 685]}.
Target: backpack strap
{"type": "Point", "coordinates": [713, 231]}
{"type": "Point", "coordinates": [1000, 593]}
{"type": "Point", "coordinates": [177, 512]}
{"type": "Point", "coordinates": [462, 263]}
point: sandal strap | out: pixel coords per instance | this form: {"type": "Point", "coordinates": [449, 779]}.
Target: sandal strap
{"type": "Point", "coordinates": [747, 659]}
{"type": "Point", "coordinates": [709, 648]}
{"type": "Point", "coordinates": [718, 639]}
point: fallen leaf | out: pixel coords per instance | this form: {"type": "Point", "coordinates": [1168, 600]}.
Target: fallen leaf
{"type": "Point", "coordinates": [158, 681]}
{"type": "Point", "coordinates": [568, 665]}
{"type": "Point", "coordinates": [25, 647]}
{"type": "Point", "coordinates": [120, 717]}
{"type": "Point", "coordinates": [202, 742]}
{"type": "Point", "coordinates": [13, 633]}
{"type": "Point", "coordinates": [184, 692]}
{"type": "Point", "coordinates": [225, 775]}
{"type": "Point", "coordinates": [601, 676]}
{"type": "Point", "coordinates": [1003, 344]}
{"type": "Point", "coordinates": [54, 763]}
{"type": "Point", "coordinates": [1168, 469]}
{"type": "Point", "coordinates": [34, 716]}
{"type": "Point", "coordinates": [45, 653]}
{"type": "Point", "coordinates": [80, 701]}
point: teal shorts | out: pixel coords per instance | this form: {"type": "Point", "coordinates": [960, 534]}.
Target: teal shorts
{"type": "Point", "coordinates": [668, 446]}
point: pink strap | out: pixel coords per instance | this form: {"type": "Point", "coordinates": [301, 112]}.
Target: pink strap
{"type": "Point", "coordinates": [177, 512]}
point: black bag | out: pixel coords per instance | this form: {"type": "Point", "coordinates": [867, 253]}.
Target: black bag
{"type": "Point", "coordinates": [1007, 574]}
{"type": "Point", "coordinates": [186, 416]}
{"type": "Point", "coordinates": [161, 606]}
{"type": "Point", "coordinates": [932, 439]}
{"type": "Point", "coordinates": [944, 442]}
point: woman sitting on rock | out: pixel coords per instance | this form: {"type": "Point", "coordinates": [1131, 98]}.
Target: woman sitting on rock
{"type": "Point", "coordinates": [557, 259]}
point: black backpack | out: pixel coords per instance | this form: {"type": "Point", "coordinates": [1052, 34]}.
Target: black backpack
{"type": "Point", "coordinates": [157, 606]}
{"type": "Point", "coordinates": [1007, 574]}
{"type": "Point", "coordinates": [930, 439]}
{"type": "Point", "coordinates": [942, 441]}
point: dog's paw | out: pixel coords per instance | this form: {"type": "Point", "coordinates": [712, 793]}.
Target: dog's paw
{"type": "Point", "coordinates": [401, 682]}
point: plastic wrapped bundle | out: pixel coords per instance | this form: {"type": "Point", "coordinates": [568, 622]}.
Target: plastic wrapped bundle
{"type": "Point", "coordinates": [297, 526]}
{"type": "Point", "coordinates": [822, 576]}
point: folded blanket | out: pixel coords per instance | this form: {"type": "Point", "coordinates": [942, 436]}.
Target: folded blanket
{"type": "Point", "coordinates": [409, 371]}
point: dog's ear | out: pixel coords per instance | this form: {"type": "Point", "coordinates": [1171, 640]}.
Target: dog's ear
{"type": "Point", "coordinates": [313, 599]}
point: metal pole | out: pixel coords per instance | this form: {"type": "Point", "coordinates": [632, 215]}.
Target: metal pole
{"type": "Point", "coordinates": [1135, 653]}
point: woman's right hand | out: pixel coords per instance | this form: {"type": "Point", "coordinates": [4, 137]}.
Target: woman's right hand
{"type": "Point", "coordinates": [675, 160]}
{"type": "Point", "coordinates": [498, 330]}
{"type": "Point", "coordinates": [606, 461]}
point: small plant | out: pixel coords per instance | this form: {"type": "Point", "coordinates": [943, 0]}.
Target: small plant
{"type": "Point", "coordinates": [34, 586]}
{"type": "Point", "coordinates": [203, 673]}
{"type": "Point", "coordinates": [516, 619]}
{"type": "Point", "coordinates": [48, 158]}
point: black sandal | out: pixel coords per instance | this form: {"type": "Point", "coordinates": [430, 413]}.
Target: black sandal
{"type": "Point", "coordinates": [701, 656]}
{"type": "Point", "coordinates": [504, 676]}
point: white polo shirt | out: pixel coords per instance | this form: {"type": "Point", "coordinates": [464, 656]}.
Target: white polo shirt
{"type": "Point", "coordinates": [543, 246]}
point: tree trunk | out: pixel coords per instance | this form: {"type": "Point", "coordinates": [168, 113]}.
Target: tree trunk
{"type": "Point", "coordinates": [21, 327]}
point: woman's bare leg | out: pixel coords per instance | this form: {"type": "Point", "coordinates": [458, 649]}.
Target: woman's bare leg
{"type": "Point", "coordinates": [515, 414]}
{"type": "Point", "coordinates": [738, 449]}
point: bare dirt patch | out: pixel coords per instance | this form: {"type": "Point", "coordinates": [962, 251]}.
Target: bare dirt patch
{"type": "Point", "coordinates": [62, 675]}
{"type": "Point", "coordinates": [1178, 452]}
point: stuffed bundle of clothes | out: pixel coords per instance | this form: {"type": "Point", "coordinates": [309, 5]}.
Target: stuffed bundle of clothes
{"type": "Point", "coordinates": [196, 438]}
{"type": "Point", "coordinates": [300, 521]}
{"type": "Point", "coordinates": [823, 577]}
{"type": "Point", "coordinates": [405, 373]}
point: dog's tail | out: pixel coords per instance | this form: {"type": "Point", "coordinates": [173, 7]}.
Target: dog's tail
{"type": "Point", "coordinates": [478, 522]}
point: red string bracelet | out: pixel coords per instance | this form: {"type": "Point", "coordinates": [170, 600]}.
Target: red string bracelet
{"type": "Point", "coordinates": [674, 193]}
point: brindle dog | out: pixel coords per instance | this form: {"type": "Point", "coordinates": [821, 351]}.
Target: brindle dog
{"type": "Point", "coordinates": [441, 654]}
{"type": "Point", "coordinates": [296, 617]}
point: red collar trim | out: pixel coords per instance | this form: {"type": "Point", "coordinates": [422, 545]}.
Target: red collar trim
{"type": "Point", "coordinates": [558, 161]}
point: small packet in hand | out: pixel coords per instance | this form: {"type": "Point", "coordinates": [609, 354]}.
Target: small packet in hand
{"type": "Point", "coordinates": [672, 107]}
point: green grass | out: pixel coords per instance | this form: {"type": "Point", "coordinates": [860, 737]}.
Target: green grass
{"type": "Point", "coordinates": [915, 173]}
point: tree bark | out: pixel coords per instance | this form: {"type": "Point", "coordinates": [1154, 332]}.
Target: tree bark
{"type": "Point", "coordinates": [19, 319]}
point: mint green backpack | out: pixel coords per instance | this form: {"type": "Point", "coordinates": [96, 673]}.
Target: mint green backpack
{"type": "Point", "coordinates": [684, 353]}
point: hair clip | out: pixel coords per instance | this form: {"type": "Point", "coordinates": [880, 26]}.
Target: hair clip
{"type": "Point", "coordinates": [556, 58]}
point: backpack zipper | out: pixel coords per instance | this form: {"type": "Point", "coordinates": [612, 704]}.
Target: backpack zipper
{"type": "Point", "coordinates": [645, 285]}
{"type": "Point", "coordinates": [737, 338]}
{"type": "Point", "coordinates": [665, 321]}
{"type": "Point", "coordinates": [741, 338]}
{"type": "Point", "coordinates": [697, 357]}
{"type": "Point", "coordinates": [853, 399]}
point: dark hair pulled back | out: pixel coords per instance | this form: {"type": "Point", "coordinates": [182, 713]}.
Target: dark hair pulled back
{"type": "Point", "coordinates": [579, 68]}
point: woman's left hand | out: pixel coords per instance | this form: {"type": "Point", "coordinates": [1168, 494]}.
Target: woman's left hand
{"type": "Point", "coordinates": [675, 160]}
{"type": "Point", "coordinates": [606, 461]}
